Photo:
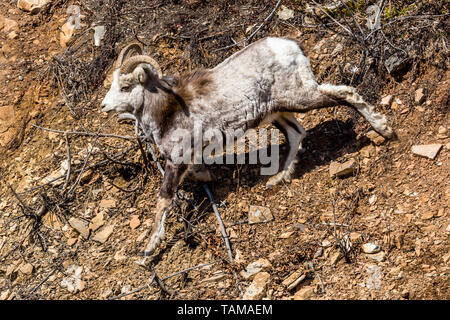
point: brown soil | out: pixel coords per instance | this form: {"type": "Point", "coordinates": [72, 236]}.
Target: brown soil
{"type": "Point", "coordinates": [395, 199]}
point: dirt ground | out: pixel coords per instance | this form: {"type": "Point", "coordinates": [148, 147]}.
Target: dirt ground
{"type": "Point", "coordinates": [394, 199]}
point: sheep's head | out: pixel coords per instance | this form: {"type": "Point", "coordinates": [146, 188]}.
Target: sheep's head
{"type": "Point", "coordinates": [130, 79]}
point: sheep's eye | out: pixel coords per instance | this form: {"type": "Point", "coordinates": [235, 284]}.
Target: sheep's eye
{"type": "Point", "coordinates": [125, 89]}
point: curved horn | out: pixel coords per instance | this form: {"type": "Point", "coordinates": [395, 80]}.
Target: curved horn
{"type": "Point", "coordinates": [130, 64]}
{"type": "Point", "coordinates": [130, 50]}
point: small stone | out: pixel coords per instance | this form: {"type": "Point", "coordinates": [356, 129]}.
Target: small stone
{"type": "Point", "coordinates": [429, 151]}
{"type": "Point", "coordinates": [335, 258]}
{"type": "Point", "coordinates": [377, 256]}
{"type": "Point", "coordinates": [7, 25]}
{"type": "Point", "coordinates": [32, 6]}
{"type": "Point", "coordinates": [97, 221]}
{"type": "Point", "coordinates": [13, 35]}
{"type": "Point", "coordinates": [258, 214]}
{"type": "Point", "coordinates": [387, 100]}
{"type": "Point", "coordinates": [4, 295]}
{"type": "Point", "coordinates": [255, 267]}
{"type": "Point", "coordinates": [135, 222]}
{"type": "Point", "coordinates": [286, 235]}
{"type": "Point", "coordinates": [370, 248]}
{"type": "Point", "coordinates": [285, 13]}
{"type": "Point", "coordinates": [104, 234]}
{"type": "Point", "coordinates": [376, 138]}
{"type": "Point", "coordinates": [258, 287]}
{"type": "Point", "coordinates": [66, 34]}
{"type": "Point", "coordinates": [304, 293]}
{"type": "Point", "coordinates": [81, 226]}
{"type": "Point", "coordinates": [71, 241]}
{"type": "Point", "coordinates": [318, 253]}
{"type": "Point", "coordinates": [326, 243]}
{"type": "Point", "coordinates": [26, 268]}
{"type": "Point", "coordinates": [342, 169]}
{"type": "Point", "coordinates": [419, 96]}
{"type": "Point", "coordinates": [428, 215]}
{"type": "Point", "coordinates": [108, 203]}
{"type": "Point", "coordinates": [368, 151]}
{"type": "Point", "coordinates": [355, 237]}
{"type": "Point", "coordinates": [442, 132]}
{"type": "Point", "coordinates": [99, 34]}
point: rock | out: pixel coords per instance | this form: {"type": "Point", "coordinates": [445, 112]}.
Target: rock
{"type": "Point", "coordinates": [326, 243]}
{"type": "Point", "coordinates": [258, 214]}
{"type": "Point", "coordinates": [26, 268]}
{"type": "Point", "coordinates": [135, 222]}
{"type": "Point", "coordinates": [304, 293]}
{"type": "Point", "coordinates": [377, 256]}
{"type": "Point", "coordinates": [97, 221]}
{"type": "Point", "coordinates": [419, 96]}
{"type": "Point", "coordinates": [7, 123]}
{"type": "Point", "coordinates": [81, 226]}
{"type": "Point", "coordinates": [318, 253]}
{"type": "Point", "coordinates": [7, 25]}
{"type": "Point", "coordinates": [387, 100]}
{"type": "Point", "coordinates": [395, 63]}
{"type": "Point", "coordinates": [32, 6]}
{"type": "Point", "coordinates": [285, 13]}
{"type": "Point", "coordinates": [370, 248]}
{"type": "Point", "coordinates": [428, 215]}
{"type": "Point", "coordinates": [335, 258]}
{"type": "Point", "coordinates": [104, 234]}
{"type": "Point", "coordinates": [442, 132]}
{"type": "Point", "coordinates": [99, 34]}
{"type": "Point", "coordinates": [375, 137]}
{"type": "Point", "coordinates": [368, 151]}
{"type": "Point", "coordinates": [337, 49]}
{"type": "Point", "coordinates": [258, 287]}
{"type": "Point", "coordinates": [108, 203]}
{"type": "Point", "coordinates": [342, 169]}
{"type": "Point", "coordinates": [71, 241]}
{"type": "Point", "coordinates": [355, 237]}
{"type": "Point", "coordinates": [4, 295]}
{"type": "Point", "coordinates": [255, 267]}
{"type": "Point", "coordinates": [67, 31]}
{"type": "Point", "coordinates": [429, 150]}
{"type": "Point", "coordinates": [73, 282]}
{"type": "Point", "coordinates": [13, 35]}
{"type": "Point", "coordinates": [286, 235]}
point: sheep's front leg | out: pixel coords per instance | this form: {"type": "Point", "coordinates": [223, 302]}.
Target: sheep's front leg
{"type": "Point", "coordinates": [173, 176]}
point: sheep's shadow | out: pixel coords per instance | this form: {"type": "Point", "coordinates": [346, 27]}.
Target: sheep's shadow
{"type": "Point", "coordinates": [324, 143]}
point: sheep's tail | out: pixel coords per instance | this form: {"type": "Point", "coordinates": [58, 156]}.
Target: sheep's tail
{"type": "Point", "coordinates": [348, 96]}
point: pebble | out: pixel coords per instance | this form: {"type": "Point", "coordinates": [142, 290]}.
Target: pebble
{"type": "Point", "coordinates": [387, 100]}
{"type": "Point", "coordinates": [81, 226]}
{"type": "Point", "coordinates": [104, 234]}
{"type": "Point", "coordinates": [255, 267]}
{"type": "Point", "coordinates": [258, 287]}
{"type": "Point", "coordinates": [335, 258]}
{"type": "Point", "coordinates": [4, 295]}
{"type": "Point", "coordinates": [285, 13]}
{"type": "Point", "coordinates": [342, 169]}
{"type": "Point", "coordinates": [380, 256]}
{"type": "Point", "coordinates": [304, 293]}
{"type": "Point", "coordinates": [108, 203]}
{"type": "Point", "coordinates": [428, 215]}
{"type": "Point", "coordinates": [376, 138]}
{"type": "Point", "coordinates": [429, 151]}
{"type": "Point", "coordinates": [258, 214]}
{"type": "Point", "coordinates": [97, 221]}
{"type": "Point", "coordinates": [371, 248]}
{"type": "Point", "coordinates": [26, 268]}
{"type": "Point", "coordinates": [419, 96]}
{"type": "Point", "coordinates": [135, 222]}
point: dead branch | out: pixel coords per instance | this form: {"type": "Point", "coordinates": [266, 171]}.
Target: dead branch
{"type": "Point", "coordinates": [89, 134]}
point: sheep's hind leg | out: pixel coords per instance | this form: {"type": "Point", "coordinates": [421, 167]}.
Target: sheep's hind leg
{"type": "Point", "coordinates": [295, 133]}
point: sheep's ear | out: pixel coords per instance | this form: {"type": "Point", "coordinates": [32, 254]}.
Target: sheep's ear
{"type": "Point", "coordinates": [140, 75]}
